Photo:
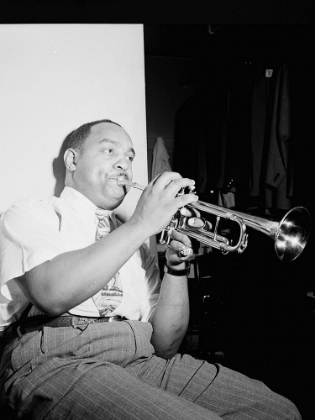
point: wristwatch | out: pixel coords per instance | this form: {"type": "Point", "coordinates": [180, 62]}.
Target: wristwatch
{"type": "Point", "coordinates": [179, 273]}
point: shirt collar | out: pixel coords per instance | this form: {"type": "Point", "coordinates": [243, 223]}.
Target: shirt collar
{"type": "Point", "coordinates": [81, 204]}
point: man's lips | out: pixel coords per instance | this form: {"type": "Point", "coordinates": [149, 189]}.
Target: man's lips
{"type": "Point", "coordinates": [121, 180]}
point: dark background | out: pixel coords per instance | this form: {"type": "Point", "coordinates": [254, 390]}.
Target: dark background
{"type": "Point", "coordinates": [249, 312]}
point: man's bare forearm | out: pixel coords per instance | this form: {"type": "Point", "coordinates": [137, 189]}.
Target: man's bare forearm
{"type": "Point", "coordinates": [171, 316]}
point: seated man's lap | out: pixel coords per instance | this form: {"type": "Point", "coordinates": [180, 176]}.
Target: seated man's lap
{"type": "Point", "coordinates": [96, 390]}
{"type": "Point", "coordinates": [54, 372]}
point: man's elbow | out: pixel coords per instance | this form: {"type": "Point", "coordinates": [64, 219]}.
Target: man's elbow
{"type": "Point", "coordinates": [166, 348]}
{"type": "Point", "coordinates": [51, 304]}
{"type": "Point", "coordinates": [166, 353]}
{"type": "Point", "coordinates": [42, 297]}
{"type": "Point", "coordinates": [50, 308]}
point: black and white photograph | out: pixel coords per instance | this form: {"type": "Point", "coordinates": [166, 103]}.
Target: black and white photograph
{"type": "Point", "coordinates": [157, 212]}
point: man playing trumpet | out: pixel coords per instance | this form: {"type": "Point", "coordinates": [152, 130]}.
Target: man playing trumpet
{"type": "Point", "coordinates": [100, 337]}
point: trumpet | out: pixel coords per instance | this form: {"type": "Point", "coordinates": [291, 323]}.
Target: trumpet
{"type": "Point", "coordinates": [290, 234]}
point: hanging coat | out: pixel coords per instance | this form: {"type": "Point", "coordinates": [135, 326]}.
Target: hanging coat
{"type": "Point", "coordinates": [160, 162]}
{"type": "Point", "coordinates": [279, 174]}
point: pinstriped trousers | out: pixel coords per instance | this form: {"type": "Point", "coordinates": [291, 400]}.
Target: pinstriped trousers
{"type": "Point", "coordinates": [109, 371]}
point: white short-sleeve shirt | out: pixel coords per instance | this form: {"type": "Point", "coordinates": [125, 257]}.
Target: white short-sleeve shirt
{"type": "Point", "coordinates": [33, 231]}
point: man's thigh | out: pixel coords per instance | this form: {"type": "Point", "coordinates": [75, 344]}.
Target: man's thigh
{"type": "Point", "coordinates": [99, 390]}
{"type": "Point", "coordinates": [226, 392]}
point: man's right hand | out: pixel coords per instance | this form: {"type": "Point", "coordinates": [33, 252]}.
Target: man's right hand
{"type": "Point", "coordinates": [159, 201]}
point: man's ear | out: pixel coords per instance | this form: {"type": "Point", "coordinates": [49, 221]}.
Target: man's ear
{"type": "Point", "coordinates": [70, 158]}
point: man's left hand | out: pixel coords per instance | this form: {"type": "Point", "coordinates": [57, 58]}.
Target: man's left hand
{"type": "Point", "coordinates": [181, 247]}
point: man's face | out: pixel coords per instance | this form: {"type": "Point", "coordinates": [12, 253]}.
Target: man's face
{"type": "Point", "coordinates": [106, 154]}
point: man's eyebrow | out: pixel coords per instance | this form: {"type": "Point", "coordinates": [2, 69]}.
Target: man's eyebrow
{"type": "Point", "coordinates": [116, 144]}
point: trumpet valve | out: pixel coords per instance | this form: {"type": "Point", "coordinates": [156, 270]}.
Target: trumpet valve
{"type": "Point", "coordinates": [164, 238]}
{"type": "Point", "coordinates": [243, 244]}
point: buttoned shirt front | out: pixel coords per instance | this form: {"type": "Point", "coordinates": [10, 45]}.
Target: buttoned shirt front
{"type": "Point", "coordinates": [34, 231]}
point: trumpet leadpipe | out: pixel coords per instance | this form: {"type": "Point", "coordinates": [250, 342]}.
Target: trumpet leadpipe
{"type": "Point", "coordinates": [121, 181]}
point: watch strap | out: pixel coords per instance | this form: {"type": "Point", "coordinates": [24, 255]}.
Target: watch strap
{"type": "Point", "coordinates": [179, 273]}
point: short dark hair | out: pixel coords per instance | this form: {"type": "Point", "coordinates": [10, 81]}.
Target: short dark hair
{"type": "Point", "coordinates": [76, 138]}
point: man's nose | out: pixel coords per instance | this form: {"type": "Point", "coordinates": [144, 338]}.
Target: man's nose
{"type": "Point", "coordinates": [122, 163]}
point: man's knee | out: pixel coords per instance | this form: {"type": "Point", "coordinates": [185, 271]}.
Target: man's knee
{"type": "Point", "coordinates": [292, 411]}
{"type": "Point", "coordinates": [277, 407]}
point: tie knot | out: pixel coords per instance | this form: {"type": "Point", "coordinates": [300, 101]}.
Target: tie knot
{"type": "Point", "coordinates": [101, 214]}
{"type": "Point", "coordinates": [103, 227]}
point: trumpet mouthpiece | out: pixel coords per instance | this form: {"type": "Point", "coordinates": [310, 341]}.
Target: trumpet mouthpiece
{"type": "Point", "coordinates": [122, 181]}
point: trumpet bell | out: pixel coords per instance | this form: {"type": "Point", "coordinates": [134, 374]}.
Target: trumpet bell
{"type": "Point", "coordinates": [292, 234]}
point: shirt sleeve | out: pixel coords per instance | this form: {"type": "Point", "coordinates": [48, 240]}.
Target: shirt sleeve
{"type": "Point", "coordinates": [29, 236]}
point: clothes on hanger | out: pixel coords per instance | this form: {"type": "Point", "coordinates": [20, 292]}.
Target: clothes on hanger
{"type": "Point", "coordinates": [279, 176]}
{"type": "Point", "coordinates": [160, 161]}
{"type": "Point", "coordinates": [236, 138]}
{"type": "Point", "coordinates": [255, 152]}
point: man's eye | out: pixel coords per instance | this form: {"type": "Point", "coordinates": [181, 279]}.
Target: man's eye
{"type": "Point", "coordinates": [131, 158]}
{"type": "Point", "coordinates": [108, 151]}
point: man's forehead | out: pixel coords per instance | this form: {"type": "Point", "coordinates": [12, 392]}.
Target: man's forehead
{"type": "Point", "coordinates": [106, 127]}
{"type": "Point", "coordinates": [110, 131]}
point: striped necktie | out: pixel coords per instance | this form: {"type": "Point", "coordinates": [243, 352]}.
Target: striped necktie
{"type": "Point", "coordinates": [107, 299]}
